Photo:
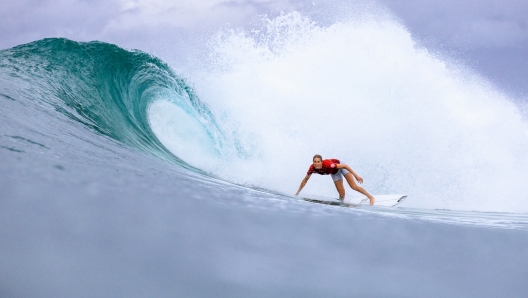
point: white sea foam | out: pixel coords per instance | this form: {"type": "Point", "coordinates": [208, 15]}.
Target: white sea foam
{"type": "Point", "coordinates": [361, 91]}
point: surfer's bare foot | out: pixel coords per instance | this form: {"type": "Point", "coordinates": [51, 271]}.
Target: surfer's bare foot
{"type": "Point", "coordinates": [372, 200]}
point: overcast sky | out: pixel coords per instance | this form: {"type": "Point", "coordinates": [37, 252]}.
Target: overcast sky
{"type": "Point", "coordinates": [488, 36]}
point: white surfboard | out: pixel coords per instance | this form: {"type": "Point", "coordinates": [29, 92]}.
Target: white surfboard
{"type": "Point", "coordinates": [381, 200]}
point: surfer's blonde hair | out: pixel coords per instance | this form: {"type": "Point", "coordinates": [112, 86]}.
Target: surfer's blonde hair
{"type": "Point", "coordinates": [317, 156]}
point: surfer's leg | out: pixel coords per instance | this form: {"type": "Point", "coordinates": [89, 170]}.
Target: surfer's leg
{"type": "Point", "coordinates": [340, 189]}
{"type": "Point", "coordinates": [338, 181]}
{"type": "Point", "coordinates": [350, 179]}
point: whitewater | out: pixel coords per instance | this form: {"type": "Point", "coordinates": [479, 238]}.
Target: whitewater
{"type": "Point", "coordinates": [365, 93]}
{"type": "Point", "coordinates": [124, 176]}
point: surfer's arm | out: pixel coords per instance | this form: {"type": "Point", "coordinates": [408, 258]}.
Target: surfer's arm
{"type": "Point", "coordinates": [303, 183]}
{"type": "Point", "coordinates": [344, 166]}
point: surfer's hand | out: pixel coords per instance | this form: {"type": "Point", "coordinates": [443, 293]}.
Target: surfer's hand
{"type": "Point", "coordinates": [359, 179]}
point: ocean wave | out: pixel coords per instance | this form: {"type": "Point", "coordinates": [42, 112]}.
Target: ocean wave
{"type": "Point", "coordinates": [103, 87]}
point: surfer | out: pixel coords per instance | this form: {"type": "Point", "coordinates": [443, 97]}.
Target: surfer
{"type": "Point", "coordinates": [337, 170]}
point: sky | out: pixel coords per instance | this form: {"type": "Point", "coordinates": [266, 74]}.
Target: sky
{"type": "Point", "coordinates": [488, 36]}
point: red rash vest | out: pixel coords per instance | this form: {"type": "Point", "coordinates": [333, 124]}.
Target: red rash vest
{"type": "Point", "coordinates": [329, 167]}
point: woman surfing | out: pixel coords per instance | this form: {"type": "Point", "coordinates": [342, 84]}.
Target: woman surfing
{"type": "Point", "coordinates": [337, 170]}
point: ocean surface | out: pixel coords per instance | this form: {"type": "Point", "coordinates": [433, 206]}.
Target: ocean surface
{"type": "Point", "coordinates": [123, 176]}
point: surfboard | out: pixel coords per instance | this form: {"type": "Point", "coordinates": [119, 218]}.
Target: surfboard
{"type": "Point", "coordinates": [381, 200]}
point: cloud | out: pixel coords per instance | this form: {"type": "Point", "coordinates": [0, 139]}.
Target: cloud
{"type": "Point", "coordinates": [28, 20]}
{"type": "Point", "coordinates": [184, 14]}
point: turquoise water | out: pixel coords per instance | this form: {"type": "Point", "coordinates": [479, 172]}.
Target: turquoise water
{"type": "Point", "coordinates": [103, 87]}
